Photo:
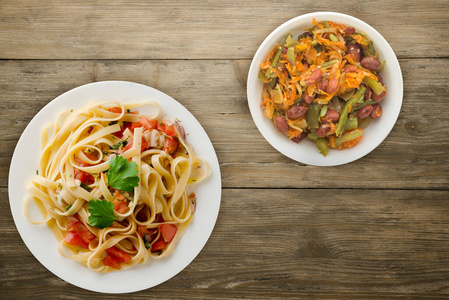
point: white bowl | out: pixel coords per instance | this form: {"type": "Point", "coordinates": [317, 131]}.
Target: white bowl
{"type": "Point", "coordinates": [306, 151]}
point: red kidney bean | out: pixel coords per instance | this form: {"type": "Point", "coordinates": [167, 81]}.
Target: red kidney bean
{"type": "Point", "coordinates": [284, 50]}
{"type": "Point", "coordinates": [281, 124]}
{"type": "Point", "coordinates": [299, 138]}
{"type": "Point", "coordinates": [364, 111]}
{"type": "Point", "coordinates": [380, 97]}
{"type": "Point", "coordinates": [309, 99]}
{"type": "Point", "coordinates": [324, 84]}
{"type": "Point", "coordinates": [333, 86]}
{"type": "Point", "coordinates": [332, 116]}
{"type": "Point", "coordinates": [379, 78]}
{"type": "Point", "coordinates": [355, 51]}
{"type": "Point", "coordinates": [314, 76]}
{"type": "Point", "coordinates": [350, 68]}
{"type": "Point", "coordinates": [377, 111]}
{"type": "Point", "coordinates": [296, 111]}
{"type": "Point", "coordinates": [323, 130]}
{"type": "Point", "coordinates": [370, 63]}
{"type": "Point", "coordinates": [349, 30]}
{"type": "Point", "coordinates": [368, 93]}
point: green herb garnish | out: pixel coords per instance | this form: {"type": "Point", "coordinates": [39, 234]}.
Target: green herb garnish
{"type": "Point", "coordinates": [147, 245]}
{"type": "Point", "coordinates": [119, 144]}
{"type": "Point", "coordinates": [101, 213]}
{"type": "Point", "coordinates": [123, 174]}
{"type": "Point", "coordinates": [86, 187]}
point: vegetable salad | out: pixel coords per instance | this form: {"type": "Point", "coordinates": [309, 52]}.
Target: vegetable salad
{"type": "Point", "coordinates": [325, 85]}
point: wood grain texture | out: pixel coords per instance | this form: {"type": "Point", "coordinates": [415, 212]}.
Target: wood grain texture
{"type": "Point", "coordinates": [413, 156]}
{"type": "Point", "coordinates": [278, 243]}
{"type": "Point", "coordinates": [198, 29]}
{"type": "Point", "coordinates": [377, 228]}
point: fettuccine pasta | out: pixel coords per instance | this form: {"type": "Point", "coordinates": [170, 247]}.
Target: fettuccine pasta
{"type": "Point", "coordinates": [112, 184]}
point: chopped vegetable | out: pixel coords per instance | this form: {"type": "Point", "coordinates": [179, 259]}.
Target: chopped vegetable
{"type": "Point", "coordinates": [119, 145]}
{"type": "Point", "coordinates": [168, 231]}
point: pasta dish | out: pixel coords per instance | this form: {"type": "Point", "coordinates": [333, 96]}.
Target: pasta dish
{"type": "Point", "coordinates": [112, 184]}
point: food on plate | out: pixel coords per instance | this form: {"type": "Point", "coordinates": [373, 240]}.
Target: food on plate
{"type": "Point", "coordinates": [324, 85]}
{"type": "Point", "coordinates": [112, 184]}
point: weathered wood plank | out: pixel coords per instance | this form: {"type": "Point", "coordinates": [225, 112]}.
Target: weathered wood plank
{"type": "Point", "coordinates": [288, 243]}
{"type": "Point", "coordinates": [187, 29]}
{"type": "Point", "coordinates": [413, 156]}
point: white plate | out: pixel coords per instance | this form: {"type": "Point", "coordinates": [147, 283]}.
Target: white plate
{"type": "Point", "coordinates": [41, 241]}
{"type": "Point", "coordinates": [306, 151]}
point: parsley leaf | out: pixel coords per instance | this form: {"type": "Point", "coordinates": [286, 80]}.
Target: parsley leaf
{"type": "Point", "coordinates": [101, 213]}
{"type": "Point", "coordinates": [123, 174]}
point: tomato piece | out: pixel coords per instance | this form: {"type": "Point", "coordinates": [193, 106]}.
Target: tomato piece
{"type": "Point", "coordinates": [84, 177]}
{"type": "Point", "coordinates": [142, 230]}
{"type": "Point", "coordinates": [72, 238]}
{"type": "Point", "coordinates": [111, 262]}
{"type": "Point", "coordinates": [171, 145]}
{"type": "Point", "coordinates": [71, 222]}
{"type": "Point", "coordinates": [90, 156]}
{"type": "Point", "coordinates": [147, 123]}
{"type": "Point", "coordinates": [127, 125]}
{"type": "Point", "coordinates": [168, 231]}
{"type": "Point", "coordinates": [116, 110]}
{"type": "Point", "coordinates": [118, 254]}
{"type": "Point", "coordinates": [143, 145]}
{"type": "Point", "coordinates": [170, 130]}
{"type": "Point", "coordinates": [121, 206]}
{"type": "Point", "coordinates": [83, 232]}
{"type": "Point", "coordinates": [81, 163]}
{"type": "Point", "coordinates": [159, 245]}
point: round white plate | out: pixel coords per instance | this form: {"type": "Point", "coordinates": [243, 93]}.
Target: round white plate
{"type": "Point", "coordinates": [306, 151]}
{"type": "Point", "coordinates": [41, 241]}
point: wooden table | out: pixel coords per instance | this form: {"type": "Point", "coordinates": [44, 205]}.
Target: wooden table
{"type": "Point", "coordinates": [374, 228]}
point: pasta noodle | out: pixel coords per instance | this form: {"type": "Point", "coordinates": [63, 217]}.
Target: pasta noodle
{"type": "Point", "coordinates": [112, 184]}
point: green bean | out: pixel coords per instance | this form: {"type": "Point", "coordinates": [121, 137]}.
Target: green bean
{"type": "Point", "coordinates": [374, 85]}
{"type": "Point", "coordinates": [329, 63]}
{"type": "Point", "coordinates": [349, 40]}
{"type": "Point", "coordinates": [274, 64]}
{"type": "Point", "coordinates": [323, 111]}
{"type": "Point", "coordinates": [349, 136]}
{"type": "Point", "coordinates": [262, 76]}
{"type": "Point", "coordinates": [290, 42]}
{"type": "Point", "coordinates": [348, 107]}
{"type": "Point", "coordinates": [371, 50]}
{"type": "Point", "coordinates": [359, 106]}
{"type": "Point", "coordinates": [351, 123]}
{"type": "Point", "coordinates": [291, 57]}
{"type": "Point", "coordinates": [333, 37]}
{"type": "Point", "coordinates": [321, 143]}
{"type": "Point", "coordinates": [312, 136]}
{"type": "Point", "coordinates": [313, 115]}
{"type": "Point", "coordinates": [382, 66]}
